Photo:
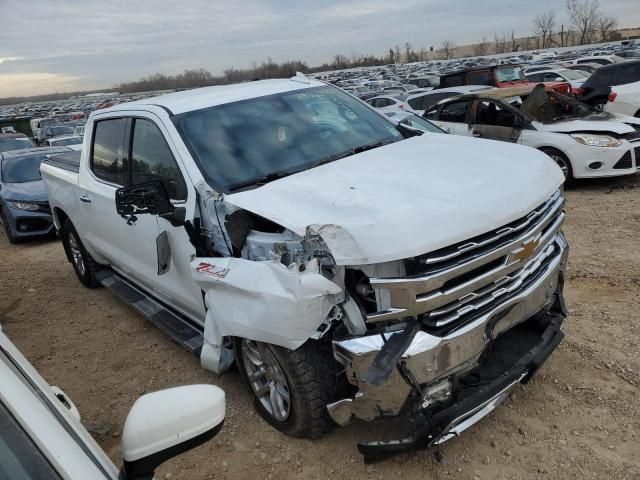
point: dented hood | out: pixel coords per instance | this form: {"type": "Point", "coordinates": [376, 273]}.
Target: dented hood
{"type": "Point", "coordinates": [619, 124]}
{"type": "Point", "coordinates": [409, 197]}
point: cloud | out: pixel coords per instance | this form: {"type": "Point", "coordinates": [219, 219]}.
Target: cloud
{"type": "Point", "coordinates": [103, 42]}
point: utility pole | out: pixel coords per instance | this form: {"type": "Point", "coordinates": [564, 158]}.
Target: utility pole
{"type": "Point", "coordinates": [562, 36]}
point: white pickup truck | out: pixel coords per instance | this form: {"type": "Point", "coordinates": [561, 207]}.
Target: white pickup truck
{"type": "Point", "coordinates": [350, 267]}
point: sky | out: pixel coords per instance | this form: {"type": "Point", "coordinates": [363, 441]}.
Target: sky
{"type": "Point", "coordinates": [66, 45]}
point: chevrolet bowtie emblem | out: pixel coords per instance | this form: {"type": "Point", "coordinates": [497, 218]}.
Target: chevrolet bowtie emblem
{"type": "Point", "coordinates": [527, 250]}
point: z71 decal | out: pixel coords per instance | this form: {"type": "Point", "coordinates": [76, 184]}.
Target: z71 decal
{"type": "Point", "coordinates": [209, 269]}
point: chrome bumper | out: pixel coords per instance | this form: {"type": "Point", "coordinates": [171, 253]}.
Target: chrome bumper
{"type": "Point", "coordinates": [430, 358]}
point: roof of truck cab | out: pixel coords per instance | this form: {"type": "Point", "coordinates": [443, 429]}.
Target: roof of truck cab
{"type": "Point", "coordinates": [198, 98]}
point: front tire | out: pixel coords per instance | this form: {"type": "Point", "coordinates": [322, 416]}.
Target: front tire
{"type": "Point", "coordinates": [291, 389]}
{"type": "Point", "coordinates": [562, 161]}
{"type": "Point", "coordinates": [84, 266]}
{"type": "Point", "coordinates": [7, 228]}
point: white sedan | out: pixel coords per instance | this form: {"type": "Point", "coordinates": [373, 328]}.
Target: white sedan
{"type": "Point", "coordinates": [583, 142]}
{"type": "Point", "coordinates": [624, 99]}
{"type": "Point", "coordinates": [389, 103]}
{"type": "Point", "coordinates": [419, 102]}
{"type": "Point", "coordinates": [575, 77]}
{"type": "Point", "coordinates": [41, 436]}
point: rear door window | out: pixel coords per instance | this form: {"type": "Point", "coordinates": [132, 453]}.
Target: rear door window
{"type": "Point", "coordinates": [108, 161]}
{"type": "Point", "coordinates": [152, 159]}
{"type": "Point", "coordinates": [628, 74]}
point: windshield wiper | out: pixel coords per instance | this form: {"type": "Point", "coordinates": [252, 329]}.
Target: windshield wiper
{"type": "Point", "coordinates": [261, 180]}
{"type": "Point", "coordinates": [353, 151]}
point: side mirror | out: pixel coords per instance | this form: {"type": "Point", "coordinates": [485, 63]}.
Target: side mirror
{"type": "Point", "coordinates": [164, 424]}
{"type": "Point", "coordinates": [519, 123]}
{"type": "Point", "coordinates": [146, 198]}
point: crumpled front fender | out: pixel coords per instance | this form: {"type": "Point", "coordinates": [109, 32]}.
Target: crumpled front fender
{"type": "Point", "coordinates": [263, 301]}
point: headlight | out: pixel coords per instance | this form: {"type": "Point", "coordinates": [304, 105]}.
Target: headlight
{"type": "Point", "coordinates": [32, 207]}
{"type": "Point", "coordinates": [596, 140]}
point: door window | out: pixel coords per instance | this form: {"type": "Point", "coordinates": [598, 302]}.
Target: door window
{"type": "Point", "coordinates": [495, 114]}
{"type": "Point", "coordinates": [107, 157]}
{"type": "Point", "coordinates": [455, 112]}
{"type": "Point", "coordinates": [19, 456]}
{"type": "Point", "coordinates": [482, 77]}
{"type": "Point", "coordinates": [628, 74]}
{"type": "Point", "coordinates": [151, 159]}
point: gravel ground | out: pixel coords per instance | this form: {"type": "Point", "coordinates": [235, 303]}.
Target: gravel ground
{"type": "Point", "coordinates": [579, 417]}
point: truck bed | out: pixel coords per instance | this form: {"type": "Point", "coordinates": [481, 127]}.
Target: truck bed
{"type": "Point", "coordinates": [67, 161]}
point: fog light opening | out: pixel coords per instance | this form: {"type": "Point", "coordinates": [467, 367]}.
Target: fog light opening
{"type": "Point", "coordinates": [595, 165]}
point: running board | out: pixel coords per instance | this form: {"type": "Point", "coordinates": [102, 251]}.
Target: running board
{"type": "Point", "coordinates": [173, 324]}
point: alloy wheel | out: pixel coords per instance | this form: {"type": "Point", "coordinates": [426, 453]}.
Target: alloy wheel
{"type": "Point", "coordinates": [266, 379]}
{"type": "Point", "coordinates": [76, 253]}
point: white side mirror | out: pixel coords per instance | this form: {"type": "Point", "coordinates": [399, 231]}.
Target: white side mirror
{"type": "Point", "coordinates": [164, 424]}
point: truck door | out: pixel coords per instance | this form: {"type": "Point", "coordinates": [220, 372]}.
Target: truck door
{"type": "Point", "coordinates": [154, 157]}
{"type": "Point", "coordinates": [123, 245]}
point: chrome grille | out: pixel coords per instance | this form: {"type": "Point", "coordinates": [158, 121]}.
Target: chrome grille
{"type": "Point", "coordinates": [446, 286]}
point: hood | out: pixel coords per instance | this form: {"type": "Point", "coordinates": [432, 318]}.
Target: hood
{"type": "Point", "coordinates": [409, 197]}
{"type": "Point", "coordinates": [34, 191]}
{"type": "Point", "coordinates": [618, 124]}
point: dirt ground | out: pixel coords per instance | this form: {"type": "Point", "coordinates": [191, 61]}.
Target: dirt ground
{"type": "Point", "coordinates": [579, 418]}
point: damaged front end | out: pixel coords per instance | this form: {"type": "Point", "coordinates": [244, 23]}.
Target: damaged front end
{"type": "Point", "coordinates": [474, 320]}
{"type": "Point", "coordinates": [436, 341]}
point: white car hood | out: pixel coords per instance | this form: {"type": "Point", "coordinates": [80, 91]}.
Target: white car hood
{"type": "Point", "coordinates": [619, 124]}
{"type": "Point", "coordinates": [409, 197]}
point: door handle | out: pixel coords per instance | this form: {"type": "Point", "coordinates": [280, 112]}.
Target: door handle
{"type": "Point", "coordinates": [85, 199]}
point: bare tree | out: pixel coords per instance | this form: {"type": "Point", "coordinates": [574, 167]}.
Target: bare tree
{"type": "Point", "coordinates": [584, 16]}
{"type": "Point", "coordinates": [392, 55]}
{"type": "Point", "coordinates": [543, 25]}
{"type": "Point", "coordinates": [500, 42]}
{"type": "Point", "coordinates": [606, 27]}
{"type": "Point", "coordinates": [514, 42]}
{"type": "Point", "coordinates": [447, 48]}
{"type": "Point", "coordinates": [481, 48]}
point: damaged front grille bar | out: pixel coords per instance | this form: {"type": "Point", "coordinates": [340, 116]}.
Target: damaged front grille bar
{"type": "Point", "coordinates": [415, 296]}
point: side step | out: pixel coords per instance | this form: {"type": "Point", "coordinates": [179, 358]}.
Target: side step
{"type": "Point", "coordinates": [179, 328]}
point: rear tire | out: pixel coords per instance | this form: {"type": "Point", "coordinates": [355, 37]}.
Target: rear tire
{"type": "Point", "coordinates": [301, 384]}
{"type": "Point", "coordinates": [7, 228]}
{"type": "Point", "coordinates": [84, 266]}
{"type": "Point", "coordinates": [599, 104]}
{"type": "Point", "coordinates": [562, 161]}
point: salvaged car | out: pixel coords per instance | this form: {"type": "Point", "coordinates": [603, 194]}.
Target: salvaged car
{"type": "Point", "coordinates": [352, 267]}
{"type": "Point", "coordinates": [582, 141]}
{"type": "Point", "coordinates": [41, 436]}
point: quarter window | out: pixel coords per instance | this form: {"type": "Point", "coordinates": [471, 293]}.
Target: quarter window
{"type": "Point", "coordinates": [108, 161]}
{"type": "Point", "coordinates": [151, 159]}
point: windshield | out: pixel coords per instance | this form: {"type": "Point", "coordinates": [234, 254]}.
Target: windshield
{"type": "Point", "coordinates": [15, 144]}
{"type": "Point", "coordinates": [55, 131]}
{"type": "Point", "coordinates": [241, 143]}
{"type": "Point", "coordinates": [573, 74]}
{"type": "Point", "coordinates": [66, 141]}
{"type": "Point", "coordinates": [21, 169]}
{"type": "Point", "coordinates": [510, 74]}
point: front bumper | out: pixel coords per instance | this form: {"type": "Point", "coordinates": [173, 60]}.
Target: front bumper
{"type": "Point", "coordinates": [429, 361]}
{"type": "Point", "coordinates": [25, 224]}
{"type": "Point", "coordinates": [595, 162]}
